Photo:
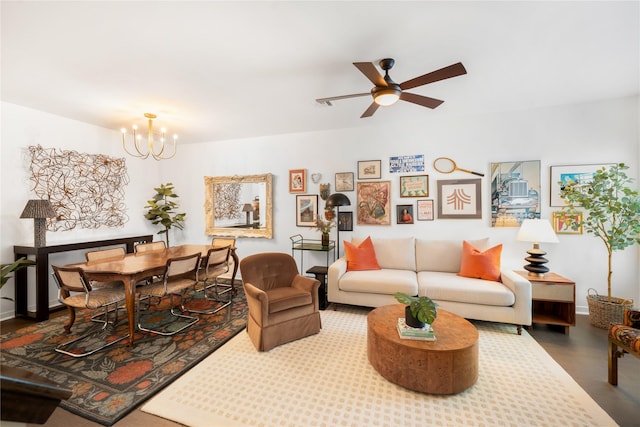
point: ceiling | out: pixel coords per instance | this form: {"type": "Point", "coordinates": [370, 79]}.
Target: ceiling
{"type": "Point", "coordinates": [226, 70]}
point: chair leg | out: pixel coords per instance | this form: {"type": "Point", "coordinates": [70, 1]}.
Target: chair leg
{"type": "Point", "coordinates": [167, 330]}
{"type": "Point", "coordinates": [215, 297]}
{"type": "Point", "coordinates": [92, 333]}
{"type": "Point", "coordinates": [614, 354]}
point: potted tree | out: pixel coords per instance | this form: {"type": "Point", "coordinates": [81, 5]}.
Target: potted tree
{"type": "Point", "coordinates": [162, 210]}
{"type": "Point", "coordinates": [612, 209]}
{"type": "Point", "coordinates": [419, 311]}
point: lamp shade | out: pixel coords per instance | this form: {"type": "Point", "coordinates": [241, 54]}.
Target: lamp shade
{"type": "Point", "coordinates": [38, 209]}
{"type": "Point", "coordinates": [247, 208]}
{"type": "Point", "coordinates": [337, 199]}
{"type": "Point", "coordinates": [537, 231]}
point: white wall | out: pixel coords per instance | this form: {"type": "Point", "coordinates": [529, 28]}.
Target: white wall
{"type": "Point", "coordinates": [23, 127]}
{"type": "Point", "coordinates": [598, 132]}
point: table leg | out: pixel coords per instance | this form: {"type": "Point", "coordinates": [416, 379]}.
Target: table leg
{"type": "Point", "coordinates": [236, 262]}
{"type": "Point", "coordinates": [130, 301]}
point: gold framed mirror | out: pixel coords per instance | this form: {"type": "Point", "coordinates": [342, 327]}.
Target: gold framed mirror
{"type": "Point", "coordinates": [239, 205]}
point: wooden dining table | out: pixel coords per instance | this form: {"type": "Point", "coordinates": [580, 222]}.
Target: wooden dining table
{"type": "Point", "coordinates": [134, 268]}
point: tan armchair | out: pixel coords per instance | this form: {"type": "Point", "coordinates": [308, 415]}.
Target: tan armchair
{"type": "Point", "coordinates": [283, 305]}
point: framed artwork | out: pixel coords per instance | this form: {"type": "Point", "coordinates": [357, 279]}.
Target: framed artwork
{"type": "Point", "coordinates": [344, 181]}
{"type": "Point", "coordinates": [297, 180]}
{"type": "Point", "coordinates": [399, 164]}
{"type": "Point", "coordinates": [515, 192]}
{"type": "Point", "coordinates": [374, 203]}
{"type": "Point", "coordinates": [563, 222]}
{"type": "Point", "coordinates": [459, 199]}
{"type": "Point", "coordinates": [306, 210]}
{"type": "Point", "coordinates": [369, 169]}
{"type": "Point", "coordinates": [404, 214]}
{"type": "Point", "coordinates": [345, 221]}
{"type": "Point", "coordinates": [581, 174]}
{"type": "Point", "coordinates": [414, 186]}
{"type": "Point", "coordinates": [425, 210]}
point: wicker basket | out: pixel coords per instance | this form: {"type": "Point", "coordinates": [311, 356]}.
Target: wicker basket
{"type": "Point", "coordinates": [602, 312]}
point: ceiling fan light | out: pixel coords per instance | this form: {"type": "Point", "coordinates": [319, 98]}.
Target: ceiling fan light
{"type": "Point", "coordinates": [386, 96]}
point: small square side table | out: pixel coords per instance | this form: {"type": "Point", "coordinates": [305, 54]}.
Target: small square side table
{"type": "Point", "coordinates": [553, 299]}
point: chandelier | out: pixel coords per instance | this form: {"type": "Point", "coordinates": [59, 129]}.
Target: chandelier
{"type": "Point", "coordinates": [153, 149]}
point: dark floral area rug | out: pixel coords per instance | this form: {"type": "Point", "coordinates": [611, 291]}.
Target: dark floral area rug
{"type": "Point", "coordinates": [111, 383]}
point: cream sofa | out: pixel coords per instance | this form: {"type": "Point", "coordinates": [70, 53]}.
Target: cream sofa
{"type": "Point", "coordinates": [430, 267]}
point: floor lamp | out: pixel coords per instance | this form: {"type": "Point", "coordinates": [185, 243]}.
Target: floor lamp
{"type": "Point", "coordinates": [335, 201]}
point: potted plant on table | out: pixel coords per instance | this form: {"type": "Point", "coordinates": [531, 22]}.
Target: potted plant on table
{"type": "Point", "coordinates": [419, 311]}
{"type": "Point", "coordinates": [324, 227]}
{"type": "Point", "coordinates": [613, 217]}
{"type": "Point", "coordinates": [162, 210]}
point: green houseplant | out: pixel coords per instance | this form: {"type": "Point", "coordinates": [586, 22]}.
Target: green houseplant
{"type": "Point", "coordinates": [6, 269]}
{"type": "Point", "coordinates": [419, 311]}
{"type": "Point", "coordinates": [162, 210]}
{"type": "Point", "coordinates": [612, 208]}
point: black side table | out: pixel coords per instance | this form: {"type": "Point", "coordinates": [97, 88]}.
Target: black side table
{"type": "Point", "coordinates": [321, 275]}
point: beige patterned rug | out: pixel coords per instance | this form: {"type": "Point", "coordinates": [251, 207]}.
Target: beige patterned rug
{"type": "Point", "coordinates": [326, 380]}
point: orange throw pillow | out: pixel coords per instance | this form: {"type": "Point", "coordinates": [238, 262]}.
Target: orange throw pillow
{"type": "Point", "coordinates": [480, 265]}
{"type": "Point", "coordinates": [361, 257]}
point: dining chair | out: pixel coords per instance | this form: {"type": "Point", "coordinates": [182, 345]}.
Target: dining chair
{"type": "Point", "coordinates": [104, 254]}
{"type": "Point", "coordinates": [180, 274]}
{"type": "Point", "coordinates": [231, 242]}
{"type": "Point", "coordinates": [215, 264]}
{"type": "Point", "coordinates": [75, 291]}
{"type": "Point", "coordinates": [101, 255]}
{"type": "Point", "coordinates": [151, 246]}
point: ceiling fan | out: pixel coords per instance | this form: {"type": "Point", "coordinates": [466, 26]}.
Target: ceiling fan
{"type": "Point", "coordinates": [387, 92]}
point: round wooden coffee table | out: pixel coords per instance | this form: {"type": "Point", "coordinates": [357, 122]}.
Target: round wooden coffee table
{"type": "Point", "coordinates": [447, 365]}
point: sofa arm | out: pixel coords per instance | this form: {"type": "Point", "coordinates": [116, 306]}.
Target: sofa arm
{"type": "Point", "coordinates": [521, 288]}
{"type": "Point", "coordinates": [334, 273]}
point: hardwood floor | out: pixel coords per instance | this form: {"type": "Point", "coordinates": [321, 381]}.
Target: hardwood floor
{"type": "Point", "coordinates": [582, 353]}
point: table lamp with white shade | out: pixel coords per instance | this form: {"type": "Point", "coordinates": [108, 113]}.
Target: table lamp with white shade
{"type": "Point", "coordinates": [536, 231]}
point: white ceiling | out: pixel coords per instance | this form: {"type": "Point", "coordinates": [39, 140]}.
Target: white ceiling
{"type": "Point", "coordinates": [225, 70]}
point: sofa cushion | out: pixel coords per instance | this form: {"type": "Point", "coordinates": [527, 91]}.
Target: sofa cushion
{"type": "Point", "coordinates": [385, 281]}
{"type": "Point", "coordinates": [394, 253]}
{"type": "Point", "coordinates": [443, 255]}
{"type": "Point", "coordinates": [480, 264]}
{"type": "Point", "coordinates": [441, 286]}
{"type": "Point", "coordinates": [361, 257]}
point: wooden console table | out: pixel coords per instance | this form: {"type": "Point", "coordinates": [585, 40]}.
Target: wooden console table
{"type": "Point", "coordinates": [42, 270]}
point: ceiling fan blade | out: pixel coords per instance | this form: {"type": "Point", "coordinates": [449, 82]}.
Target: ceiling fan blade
{"type": "Point", "coordinates": [425, 101]}
{"type": "Point", "coordinates": [337, 98]}
{"type": "Point", "coordinates": [434, 76]}
{"type": "Point", "coordinates": [372, 109]}
{"type": "Point", "coordinates": [371, 72]}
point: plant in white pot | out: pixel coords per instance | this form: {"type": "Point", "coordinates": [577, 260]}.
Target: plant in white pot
{"type": "Point", "coordinates": [613, 216]}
